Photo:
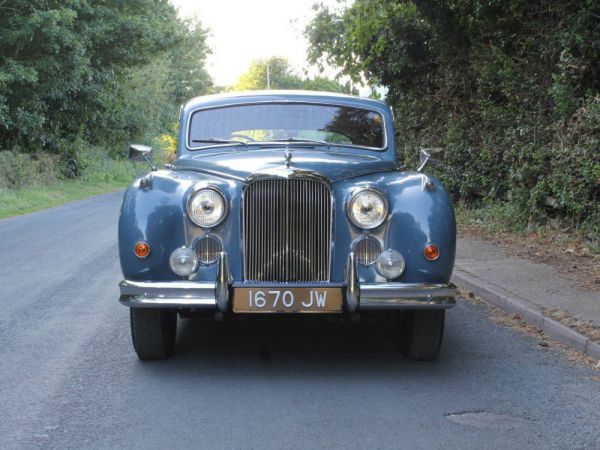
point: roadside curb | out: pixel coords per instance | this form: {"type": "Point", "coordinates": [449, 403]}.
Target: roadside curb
{"type": "Point", "coordinates": [529, 311]}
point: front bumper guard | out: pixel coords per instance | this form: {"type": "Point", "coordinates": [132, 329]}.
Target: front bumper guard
{"type": "Point", "coordinates": [216, 295]}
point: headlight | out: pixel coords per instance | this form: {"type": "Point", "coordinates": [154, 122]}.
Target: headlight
{"type": "Point", "coordinates": [367, 209]}
{"type": "Point", "coordinates": [207, 208]}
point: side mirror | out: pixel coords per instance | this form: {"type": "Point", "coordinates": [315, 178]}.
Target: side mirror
{"type": "Point", "coordinates": [426, 157]}
{"type": "Point", "coordinates": [141, 153]}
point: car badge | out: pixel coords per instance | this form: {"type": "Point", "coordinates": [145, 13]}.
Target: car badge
{"type": "Point", "coordinates": [288, 157]}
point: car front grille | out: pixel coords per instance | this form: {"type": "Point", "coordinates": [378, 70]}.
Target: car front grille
{"type": "Point", "coordinates": [287, 230]}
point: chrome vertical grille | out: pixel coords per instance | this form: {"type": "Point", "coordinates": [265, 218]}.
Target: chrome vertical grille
{"type": "Point", "coordinates": [287, 230]}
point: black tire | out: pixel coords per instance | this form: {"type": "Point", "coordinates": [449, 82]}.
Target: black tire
{"type": "Point", "coordinates": [153, 332]}
{"type": "Point", "coordinates": [420, 334]}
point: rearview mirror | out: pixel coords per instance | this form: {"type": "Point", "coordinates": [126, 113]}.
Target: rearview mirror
{"type": "Point", "coordinates": [426, 157]}
{"type": "Point", "coordinates": [141, 153]}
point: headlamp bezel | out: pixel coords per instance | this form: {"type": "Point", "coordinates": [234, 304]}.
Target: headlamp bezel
{"type": "Point", "coordinates": [223, 199]}
{"type": "Point", "coordinates": [358, 192]}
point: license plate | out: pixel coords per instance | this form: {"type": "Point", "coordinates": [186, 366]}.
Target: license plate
{"type": "Point", "coordinates": [287, 300]}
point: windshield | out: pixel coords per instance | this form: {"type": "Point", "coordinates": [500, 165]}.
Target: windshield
{"type": "Point", "coordinates": [287, 122]}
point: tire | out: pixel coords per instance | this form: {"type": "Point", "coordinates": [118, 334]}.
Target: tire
{"type": "Point", "coordinates": [420, 333]}
{"type": "Point", "coordinates": [153, 332]}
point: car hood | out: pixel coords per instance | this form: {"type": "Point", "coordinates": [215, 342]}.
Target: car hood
{"type": "Point", "coordinates": [242, 164]}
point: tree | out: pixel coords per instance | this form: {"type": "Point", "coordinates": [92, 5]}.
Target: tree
{"type": "Point", "coordinates": [281, 76]}
{"type": "Point", "coordinates": [65, 66]}
{"type": "Point", "coordinates": [187, 74]}
{"type": "Point", "coordinates": [149, 97]}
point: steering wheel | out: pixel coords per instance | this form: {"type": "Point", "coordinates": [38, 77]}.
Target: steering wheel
{"type": "Point", "coordinates": [243, 136]}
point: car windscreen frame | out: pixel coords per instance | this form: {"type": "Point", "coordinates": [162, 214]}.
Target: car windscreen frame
{"type": "Point", "coordinates": [384, 129]}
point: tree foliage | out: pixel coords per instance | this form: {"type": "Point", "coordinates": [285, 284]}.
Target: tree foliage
{"type": "Point", "coordinates": [282, 76]}
{"type": "Point", "coordinates": [97, 71]}
{"type": "Point", "coordinates": [510, 88]}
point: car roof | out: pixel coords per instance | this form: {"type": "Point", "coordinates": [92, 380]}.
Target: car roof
{"type": "Point", "coordinates": [231, 98]}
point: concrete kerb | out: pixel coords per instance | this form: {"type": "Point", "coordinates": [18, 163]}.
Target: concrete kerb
{"type": "Point", "coordinates": [593, 349]}
{"type": "Point", "coordinates": [529, 312]}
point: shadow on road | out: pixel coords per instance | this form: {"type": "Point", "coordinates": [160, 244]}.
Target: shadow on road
{"type": "Point", "coordinates": [291, 348]}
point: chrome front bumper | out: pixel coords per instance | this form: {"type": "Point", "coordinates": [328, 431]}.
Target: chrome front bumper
{"type": "Point", "coordinates": [216, 295]}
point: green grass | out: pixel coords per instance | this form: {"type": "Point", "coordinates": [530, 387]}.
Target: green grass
{"type": "Point", "coordinates": [506, 218]}
{"type": "Point", "coordinates": [102, 174]}
{"type": "Point", "coordinates": [29, 184]}
{"type": "Point", "coordinates": [497, 217]}
{"type": "Point", "coordinates": [14, 202]}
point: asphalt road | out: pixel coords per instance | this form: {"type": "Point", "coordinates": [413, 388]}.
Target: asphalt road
{"type": "Point", "coordinates": [70, 379]}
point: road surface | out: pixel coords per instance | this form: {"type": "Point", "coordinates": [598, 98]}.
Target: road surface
{"type": "Point", "coordinates": [69, 377]}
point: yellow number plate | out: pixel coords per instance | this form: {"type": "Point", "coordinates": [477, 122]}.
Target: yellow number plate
{"type": "Point", "coordinates": [287, 300]}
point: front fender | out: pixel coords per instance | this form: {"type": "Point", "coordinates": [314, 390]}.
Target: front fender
{"type": "Point", "coordinates": [417, 217]}
{"type": "Point", "coordinates": [157, 215]}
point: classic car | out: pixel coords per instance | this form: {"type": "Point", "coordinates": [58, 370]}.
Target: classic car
{"type": "Point", "coordinates": [281, 203]}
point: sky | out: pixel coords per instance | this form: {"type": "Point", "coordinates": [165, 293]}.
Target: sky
{"type": "Point", "coordinates": [241, 31]}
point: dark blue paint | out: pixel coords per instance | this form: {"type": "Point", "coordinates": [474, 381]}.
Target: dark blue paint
{"type": "Point", "coordinates": [158, 215]}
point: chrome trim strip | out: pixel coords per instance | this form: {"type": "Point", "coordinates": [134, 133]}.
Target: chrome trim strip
{"type": "Point", "coordinates": [284, 285]}
{"type": "Point", "coordinates": [283, 102]}
{"type": "Point", "coordinates": [288, 173]}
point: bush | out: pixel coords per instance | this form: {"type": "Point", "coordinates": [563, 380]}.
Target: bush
{"type": "Point", "coordinates": [18, 170]}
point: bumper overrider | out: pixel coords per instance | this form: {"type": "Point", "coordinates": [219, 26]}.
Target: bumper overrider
{"type": "Point", "coordinates": [217, 295]}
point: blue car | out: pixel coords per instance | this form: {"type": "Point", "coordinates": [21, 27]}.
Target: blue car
{"type": "Point", "coordinates": [281, 203]}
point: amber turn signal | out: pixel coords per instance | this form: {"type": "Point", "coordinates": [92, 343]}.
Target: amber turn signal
{"type": "Point", "coordinates": [141, 249]}
{"type": "Point", "coordinates": [431, 252]}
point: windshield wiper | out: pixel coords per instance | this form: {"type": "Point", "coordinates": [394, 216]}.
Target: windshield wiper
{"type": "Point", "coordinates": [293, 139]}
{"type": "Point", "coordinates": [219, 141]}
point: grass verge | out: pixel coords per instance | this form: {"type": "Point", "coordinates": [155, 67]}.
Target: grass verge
{"type": "Point", "coordinates": [28, 184]}
{"type": "Point", "coordinates": [496, 220]}
{"type": "Point", "coordinates": [574, 253]}
{"type": "Point", "coordinates": [14, 202]}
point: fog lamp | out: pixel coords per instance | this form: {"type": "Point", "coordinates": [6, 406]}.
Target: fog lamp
{"type": "Point", "coordinates": [390, 264]}
{"type": "Point", "coordinates": [183, 261]}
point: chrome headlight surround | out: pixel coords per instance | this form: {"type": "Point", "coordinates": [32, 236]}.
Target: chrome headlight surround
{"type": "Point", "coordinates": [192, 207]}
{"type": "Point", "coordinates": [355, 197]}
